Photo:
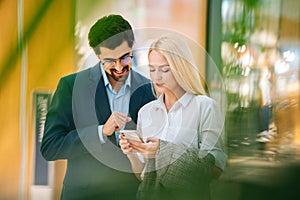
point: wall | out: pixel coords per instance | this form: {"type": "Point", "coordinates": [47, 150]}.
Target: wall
{"type": "Point", "coordinates": [48, 54]}
{"type": "Point", "coordinates": [9, 107]}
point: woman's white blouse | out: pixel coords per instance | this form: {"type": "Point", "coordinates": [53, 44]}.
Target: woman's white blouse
{"type": "Point", "coordinates": [194, 120]}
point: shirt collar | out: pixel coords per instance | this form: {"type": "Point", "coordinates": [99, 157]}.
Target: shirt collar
{"type": "Point", "coordinates": [160, 101]}
{"type": "Point", "coordinates": [184, 100]}
{"type": "Point", "coordinates": [106, 82]}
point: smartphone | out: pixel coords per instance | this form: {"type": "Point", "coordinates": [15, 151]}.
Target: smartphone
{"type": "Point", "coordinates": [131, 135]}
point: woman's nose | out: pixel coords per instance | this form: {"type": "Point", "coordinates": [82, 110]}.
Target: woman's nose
{"type": "Point", "coordinates": [157, 75]}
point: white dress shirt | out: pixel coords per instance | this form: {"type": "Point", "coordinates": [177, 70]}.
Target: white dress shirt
{"type": "Point", "coordinates": [194, 120]}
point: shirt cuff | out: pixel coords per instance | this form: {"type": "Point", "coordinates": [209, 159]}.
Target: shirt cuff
{"type": "Point", "coordinates": [220, 158]}
{"type": "Point", "coordinates": [102, 137]}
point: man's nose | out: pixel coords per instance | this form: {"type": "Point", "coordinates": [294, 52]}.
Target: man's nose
{"type": "Point", "coordinates": [118, 65]}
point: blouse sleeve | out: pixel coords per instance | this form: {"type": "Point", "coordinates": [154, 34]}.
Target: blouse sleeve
{"type": "Point", "coordinates": [211, 133]}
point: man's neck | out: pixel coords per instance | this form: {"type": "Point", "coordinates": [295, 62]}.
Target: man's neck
{"type": "Point", "coordinates": [116, 85]}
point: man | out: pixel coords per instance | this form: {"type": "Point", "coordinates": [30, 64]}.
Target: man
{"type": "Point", "coordinates": [87, 111]}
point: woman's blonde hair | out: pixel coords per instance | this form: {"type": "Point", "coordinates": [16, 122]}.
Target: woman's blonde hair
{"type": "Point", "coordinates": [181, 62]}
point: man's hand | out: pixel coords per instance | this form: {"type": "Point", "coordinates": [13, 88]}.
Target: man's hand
{"type": "Point", "coordinates": [115, 122]}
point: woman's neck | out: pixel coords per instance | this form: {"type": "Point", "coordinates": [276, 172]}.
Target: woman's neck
{"type": "Point", "coordinates": [170, 98]}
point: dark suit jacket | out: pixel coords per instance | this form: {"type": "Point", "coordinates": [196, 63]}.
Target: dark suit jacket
{"type": "Point", "coordinates": [79, 105]}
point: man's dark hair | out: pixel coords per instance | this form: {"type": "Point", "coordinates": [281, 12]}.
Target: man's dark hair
{"type": "Point", "coordinates": [110, 31]}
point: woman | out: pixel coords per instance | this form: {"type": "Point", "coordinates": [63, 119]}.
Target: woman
{"type": "Point", "coordinates": [181, 129]}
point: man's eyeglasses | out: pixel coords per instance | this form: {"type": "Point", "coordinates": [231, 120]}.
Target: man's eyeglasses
{"type": "Point", "coordinates": [111, 62]}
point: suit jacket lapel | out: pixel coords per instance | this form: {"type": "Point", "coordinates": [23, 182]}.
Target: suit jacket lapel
{"type": "Point", "coordinates": [135, 94]}
{"type": "Point", "coordinates": [134, 103]}
{"type": "Point", "coordinates": [101, 100]}
{"type": "Point", "coordinates": [102, 106]}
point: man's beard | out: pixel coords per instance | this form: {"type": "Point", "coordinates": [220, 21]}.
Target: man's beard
{"type": "Point", "coordinates": [119, 78]}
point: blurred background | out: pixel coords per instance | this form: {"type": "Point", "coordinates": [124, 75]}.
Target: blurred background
{"type": "Point", "coordinates": [255, 45]}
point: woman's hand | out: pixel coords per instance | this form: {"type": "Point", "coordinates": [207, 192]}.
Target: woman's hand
{"type": "Point", "coordinates": [125, 145]}
{"type": "Point", "coordinates": [136, 164]}
{"type": "Point", "coordinates": [147, 149]}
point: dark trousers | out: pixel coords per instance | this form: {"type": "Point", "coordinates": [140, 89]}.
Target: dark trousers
{"type": "Point", "coordinates": [265, 116]}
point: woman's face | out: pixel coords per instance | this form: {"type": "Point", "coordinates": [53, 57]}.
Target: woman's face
{"type": "Point", "coordinates": [160, 73]}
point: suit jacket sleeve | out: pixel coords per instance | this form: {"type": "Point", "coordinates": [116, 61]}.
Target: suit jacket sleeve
{"type": "Point", "coordinates": [61, 140]}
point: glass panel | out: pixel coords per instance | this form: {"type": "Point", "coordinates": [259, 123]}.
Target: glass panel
{"type": "Point", "coordinates": [260, 56]}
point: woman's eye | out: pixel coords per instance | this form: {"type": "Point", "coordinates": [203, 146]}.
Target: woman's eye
{"type": "Point", "coordinates": [165, 70]}
{"type": "Point", "coordinates": [160, 69]}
